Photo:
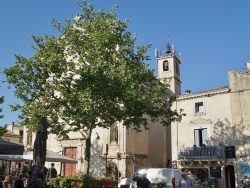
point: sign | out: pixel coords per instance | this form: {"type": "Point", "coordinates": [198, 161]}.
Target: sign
{"type": "Point", "coordinates": [230, 151]}
{"type": "Point", "coordinates": [215, 172]}
{"type": "Point", "coordinates": [244, 170]}
{"type": "Point", "coordinates": [174, 164]}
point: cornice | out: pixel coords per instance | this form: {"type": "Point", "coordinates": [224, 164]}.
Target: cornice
{"type": "Point", "coordinates": [207, 93]}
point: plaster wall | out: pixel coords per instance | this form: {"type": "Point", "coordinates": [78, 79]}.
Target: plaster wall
{"type": "Point", "coordinates": [216, 118]}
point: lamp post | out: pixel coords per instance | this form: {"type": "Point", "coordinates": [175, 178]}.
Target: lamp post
{"type": "Point", "coordinates": [106, 159]}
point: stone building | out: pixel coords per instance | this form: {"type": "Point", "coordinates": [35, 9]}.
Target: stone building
{"type": "Point", "coordinates": [211, 141]}
{"type": "Point", "coordinates": [14, 133]}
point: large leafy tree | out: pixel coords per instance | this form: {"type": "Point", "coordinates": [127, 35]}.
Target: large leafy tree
{"type": "Point", "coordinates": [1, 102]}
{"type": "Point", "coordinates": [2, 128]}
{"type": "Point", "coordinates": [91, 76]}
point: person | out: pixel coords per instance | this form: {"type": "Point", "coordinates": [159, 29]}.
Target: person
{"type": "Point", "coordinates": [52, 173]}
{"type": "Point", "coordinates": [18, 183]}
{"type": "Point", "coordinates": [7, 180]}
{"type": "Point", "coordinates": [185, 182]}
{"type": "Point", "coordinates": [12, 170]}
{"type": "Point", "coordinates": [143, 182]}
{"type": "Point", "coordinates": [38, 184]}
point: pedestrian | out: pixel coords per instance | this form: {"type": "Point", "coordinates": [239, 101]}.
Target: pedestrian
{"type": "Point", "coordinates": [185, 182]}
{"type": "Point", "coordinates": [52, 173]}
{"type": "Point", "coordinates": [38, 184]}
{"type": "Point", "coordinates": [143, 181]}
{"type": "Point", "coordinates": [18, 183]}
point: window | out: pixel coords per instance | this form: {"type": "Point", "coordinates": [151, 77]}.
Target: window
{"type": "Point", "coordinates": [165, 66]}
{"type": "Point", "coordinates": [200, 137]}
{"type": "Point", "coordinates": [199, 108]}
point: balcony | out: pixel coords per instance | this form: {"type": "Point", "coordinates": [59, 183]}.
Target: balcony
{"type": "Point", "coordinates": [204, 152]}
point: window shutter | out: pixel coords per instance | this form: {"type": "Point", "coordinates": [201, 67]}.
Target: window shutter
{"type": "Point", "coordinates": [196, 138]}
{"type": "Point", "coordinates": [204, 136]}
{"type": "Point", "coordinates": [201, 108]}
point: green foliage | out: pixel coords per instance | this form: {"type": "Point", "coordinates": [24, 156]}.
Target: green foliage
{"type": "Point", "coordinates": [87, 180]}
{"type": "Point", "coordinates": [3, 130]}
{"type": "Point", "coordinates": [54, 183]}
{"type": "Point", "coordinates": [66, 182]}
{"type": "Point", "coordinates": [93, 71]}
{"type": "Point", "coordinates": [90, 181]}
{"type": "Point", "coordinates": [1, 102]}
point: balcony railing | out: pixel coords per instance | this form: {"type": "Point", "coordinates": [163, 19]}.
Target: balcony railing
{"type": "Point", "coordinates": [204, 152]}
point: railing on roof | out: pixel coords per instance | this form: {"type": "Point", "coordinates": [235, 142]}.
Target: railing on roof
{"type": "Point", "coordinates": [173, 51]}
{"type": "Point", "coordinates": [204, 152]}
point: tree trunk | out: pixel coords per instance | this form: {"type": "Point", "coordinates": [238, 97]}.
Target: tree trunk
{"type": "Point", "coordinates": [87, 152]}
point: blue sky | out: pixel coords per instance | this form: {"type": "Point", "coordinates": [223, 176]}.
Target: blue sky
{"type": "Point", "coordinates": [212, 36]}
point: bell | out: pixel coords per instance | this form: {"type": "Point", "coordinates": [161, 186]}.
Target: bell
{"type": "Point", "coordinates": [168, 49]}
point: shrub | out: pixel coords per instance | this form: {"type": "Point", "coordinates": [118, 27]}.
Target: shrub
{"type": "Point", "coordinates": [54, 183]}
{"type": "Point", "coordinates": [86, 180]}
{"type": "Point", "coordinates": [66, 182]}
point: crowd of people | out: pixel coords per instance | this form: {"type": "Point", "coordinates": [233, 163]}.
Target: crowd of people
{"type": "Point", "coordinates": [17, 180]}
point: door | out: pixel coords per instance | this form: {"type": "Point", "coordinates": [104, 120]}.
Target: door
{"type": "Point", "coordinates": [70, 169]}
{"type": "Point", "coordinates": [230, 176]}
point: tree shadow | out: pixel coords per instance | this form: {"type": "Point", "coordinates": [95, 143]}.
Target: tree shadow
{"type": "Point", "coordinates": [226, 134]}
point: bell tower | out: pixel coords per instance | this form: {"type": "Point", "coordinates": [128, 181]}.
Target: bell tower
{"type": "Point", "coordinates": [168, 62]}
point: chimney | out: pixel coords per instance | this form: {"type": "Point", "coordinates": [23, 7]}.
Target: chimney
{"type": "Point", "coordinates": [188, 92]}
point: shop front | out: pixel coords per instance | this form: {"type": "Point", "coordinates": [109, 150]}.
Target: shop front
{"type": "Point", "coordinates": [208, 165]}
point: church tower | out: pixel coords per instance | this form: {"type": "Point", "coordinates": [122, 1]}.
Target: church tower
{"type": "Point", "coordinates": [168, 62]}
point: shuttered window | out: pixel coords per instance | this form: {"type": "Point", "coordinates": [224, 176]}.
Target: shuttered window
{"type": "Point", "coordinates": [200, 137]}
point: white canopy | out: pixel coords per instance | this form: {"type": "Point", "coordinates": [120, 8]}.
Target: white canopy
{"type": "Point", "coordinates": [28, 156]}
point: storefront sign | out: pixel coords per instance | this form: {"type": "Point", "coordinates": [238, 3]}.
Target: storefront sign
{"type": "Point", "coordinates": [230, 151]}
{"type": "Point", "coordinates": [174, 164]}
{"type": "Point", "coordinates": [215, 172]}
{"type": "Point", "coordinates": [245, 170]}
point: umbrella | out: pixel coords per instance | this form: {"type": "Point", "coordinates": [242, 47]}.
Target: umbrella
{"type": "Point", "coordinates": [40, 143]}
{"type": "Point", "coordinates": [10, 148]}
{"type": "Point", "coordinates": [28, 156]}
{"type": "Point", "coordinates": [39, 155]}
{"type": "Point", "coordinates": [56, 157]}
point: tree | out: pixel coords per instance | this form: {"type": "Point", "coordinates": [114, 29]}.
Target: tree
{"type": "Point", "coordinates": [91, 76]}
{"type": "Point", "coordinates": [1, 102]}
{"type": "Point", "coordinates": [3, 130]}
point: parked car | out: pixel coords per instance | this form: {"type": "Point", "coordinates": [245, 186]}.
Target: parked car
{"type": "Point", "coordinates": [157, 176]}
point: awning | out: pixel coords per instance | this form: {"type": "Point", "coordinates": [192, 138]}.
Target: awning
{"type": "Point", "coordinates": [10, 148]}
{"type": "Point", "coordinates": [28, 156]}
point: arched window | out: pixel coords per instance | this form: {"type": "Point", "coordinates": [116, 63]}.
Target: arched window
{"type": "Point", "coordinates": [165, 66]}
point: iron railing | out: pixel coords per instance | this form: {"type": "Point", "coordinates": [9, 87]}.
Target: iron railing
{"type": "Point", "coordinates": [204, 152]}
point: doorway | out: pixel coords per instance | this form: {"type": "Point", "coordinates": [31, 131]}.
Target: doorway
{"type": "Point", "coordinates": [230, 176]}
{"type": "Point", "coordinates": [70, 169]}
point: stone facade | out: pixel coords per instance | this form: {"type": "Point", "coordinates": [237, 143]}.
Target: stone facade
{"type": "Point", "coordinates": [215, 120]}
{"type": "Point", "coordinates": [14, 133]}
{"type": "Point", "coordinates": [216, 123]}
